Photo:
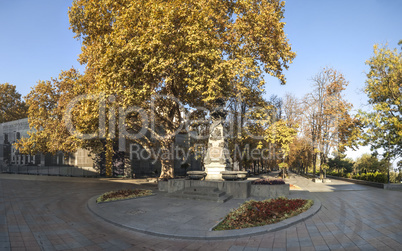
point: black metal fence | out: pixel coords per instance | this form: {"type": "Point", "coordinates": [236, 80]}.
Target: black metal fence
{"type": "Point", "coordinates": [71, 171]}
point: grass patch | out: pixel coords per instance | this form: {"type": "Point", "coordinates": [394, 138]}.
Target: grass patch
{"type": "Point", "coordinates": [259, 213]}
{"type": "Point", "coordinates": [123, 194]}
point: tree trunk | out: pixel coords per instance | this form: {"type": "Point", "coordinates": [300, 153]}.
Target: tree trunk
{"type": "Point", "coordinates": [318, 163]}
{"type": "Point", "coordinates": [314, 164]}
{"type": "Point", "coordinates": [167, 159]}
{"type": "Point", "coordinates": [262, 165]}
{"type": "Point", "coordinates": [109, 157]}
{"type": "Point", "coordinates": [322, 161]}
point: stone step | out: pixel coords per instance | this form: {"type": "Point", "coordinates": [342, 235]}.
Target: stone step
{"type": "Point", "coordinates": [202, 193]}
{"type": "Point", "coordinates": [221, 199]}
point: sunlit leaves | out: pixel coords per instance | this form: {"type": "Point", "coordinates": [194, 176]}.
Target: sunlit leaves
{"type": "Point", "coordinates": [47, 103]}
{"type": "Point", "coordinates": [195, 51]}
{"type": "Point", "coordinates": [12, 107]}
{"type": "Point", "coordinates": [281, 135]}
{"type": "Point", "coordinates": [384, 90]}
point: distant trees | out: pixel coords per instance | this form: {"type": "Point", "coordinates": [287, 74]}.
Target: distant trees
{"type": "Point", "coordinates": [340, 164]}
{"type": "Point", "coordinates": [12, 107]}
{"type": "Point", "coordinates": [370, 163]}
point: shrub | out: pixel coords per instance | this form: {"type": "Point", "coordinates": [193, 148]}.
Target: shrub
{"type": "Point", "coordinates": [268, 182]}
{"type": "Point", "coordinates": [381, 178]}
{"type": "Point", "coordinates": [394, 177]}
{"type": "Point", "coordinates": [373, 177]}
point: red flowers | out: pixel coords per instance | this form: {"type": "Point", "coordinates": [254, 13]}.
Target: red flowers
{"type": "Point", "coordinates": [259, 213]}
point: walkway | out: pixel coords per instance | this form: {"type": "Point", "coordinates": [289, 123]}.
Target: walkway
{"type": "Point", "coordinates": [50, 213]}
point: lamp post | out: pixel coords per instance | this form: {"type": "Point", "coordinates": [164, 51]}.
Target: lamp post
{"type": "Point", "coordinates": [387, 153]}
{"type": "Point", "coordinates": [388, 175]}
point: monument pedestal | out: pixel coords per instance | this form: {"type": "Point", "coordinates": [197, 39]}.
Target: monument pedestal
{"type": "Point", "coordinates": [214, 170]}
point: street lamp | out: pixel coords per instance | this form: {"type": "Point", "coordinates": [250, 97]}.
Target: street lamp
{"type": "Point", "coordinates": [387, 152]}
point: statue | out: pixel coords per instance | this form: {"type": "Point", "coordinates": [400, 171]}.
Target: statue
{"type": "Point", "coordinates": [217, 158]}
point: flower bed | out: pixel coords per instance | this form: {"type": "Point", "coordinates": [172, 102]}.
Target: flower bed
{"type": "Point", "coordinates": [123, 194]}
{"type": "Point", "coordinates": [268, 182]}
{"type": "Point", "coordinates": [259, 213]}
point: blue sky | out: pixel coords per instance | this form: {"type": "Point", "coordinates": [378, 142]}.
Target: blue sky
{"type": "Point", "coordinates": [36, 43]}
{"type": "Point", "coordinates": [338, 34]}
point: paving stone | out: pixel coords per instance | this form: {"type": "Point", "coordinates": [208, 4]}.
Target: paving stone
{"type": "Point", "coordinates": [321, 247]}
{"type": "Point", "coordinates": [250, 249]}
{"type": "Point", "coordinates": [236, 248]}
{"type": "Point", "coordinates": [347, 215]}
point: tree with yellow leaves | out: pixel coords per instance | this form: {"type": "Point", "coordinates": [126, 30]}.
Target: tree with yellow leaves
{"type": "Point", "coordinates": [12, 107]}
{"type": "Point", "coordinates": [163, 57]}
{"type": "Point", "coordinates": [47, 105]}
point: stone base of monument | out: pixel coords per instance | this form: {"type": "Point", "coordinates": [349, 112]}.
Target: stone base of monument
{"type": "Point", "coordinates": [214, 171]}
{"type": "Point", "coordinates": [270, 191]}
{"type": "Point", "coordinates": [234, 175]}
{"type": "Point", "coordinates": [196, 175]}
{"type": "Point", "coordinates": [202, 193]}
{"type": "Point", "coordinates": [219, 190]}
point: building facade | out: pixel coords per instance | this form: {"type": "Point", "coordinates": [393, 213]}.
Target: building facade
{"type": "Point", "coordinates": [139, 164]}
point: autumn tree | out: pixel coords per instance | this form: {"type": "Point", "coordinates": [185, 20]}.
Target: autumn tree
{"type": "Point", "coordinates": [329, 124]}
{"type": "Point", "coordinates": [299, 156]}
{"type": "Point", "coordinates": [163, 57]}
{"type": "Point", "coordinates": [281, 136]}
{"type": "Point", "coordinates": [12, 107]}
{"type": "Point", "coordinates": [47, 106]}
{"type": "Point", "coordinates": [292, 111]}
{"type": "Point", "coordinates": [384, 91]}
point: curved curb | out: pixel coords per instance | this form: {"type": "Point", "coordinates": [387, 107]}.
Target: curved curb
{"type": "Point", "coordinates": [217, 235]}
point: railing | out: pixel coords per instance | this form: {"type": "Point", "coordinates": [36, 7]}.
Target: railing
{"type": "Point", "coordinates": [71, 171]}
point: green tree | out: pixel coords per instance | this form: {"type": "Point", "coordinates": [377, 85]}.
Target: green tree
{"type": "Point", "coordinates": [12, 107]}
{"type": "Point", "coordinates": [192, 51]}
{"type": "Point", "coordinates": [370, 163]}
{"type": "Point", "coordinates": [340, 164]}
{"type": "Point", "coordinates": [383, 88]}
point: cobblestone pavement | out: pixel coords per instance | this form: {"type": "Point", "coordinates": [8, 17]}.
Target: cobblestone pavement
{"type": "Point", "coordinates": [50, 213]}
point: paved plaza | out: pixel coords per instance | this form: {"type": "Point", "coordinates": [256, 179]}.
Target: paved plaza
{"type": "Point", "coordinates": [52, 213]}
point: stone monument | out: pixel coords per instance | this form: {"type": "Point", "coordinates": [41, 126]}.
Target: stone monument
{"type": "Point", "coordinates": [217, 159]}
